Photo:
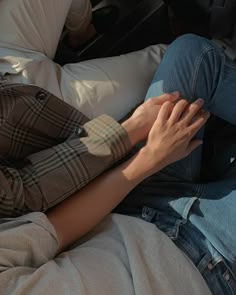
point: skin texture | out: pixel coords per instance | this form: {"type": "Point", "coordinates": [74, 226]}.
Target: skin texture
{"type": "Point", "coordinates": [169, 128]}
{"type": "Point", "coordinates": [143, 118]}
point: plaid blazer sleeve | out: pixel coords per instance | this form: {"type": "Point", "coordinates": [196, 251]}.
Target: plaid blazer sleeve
{"type": "Point", "coordinates": [46, 176]}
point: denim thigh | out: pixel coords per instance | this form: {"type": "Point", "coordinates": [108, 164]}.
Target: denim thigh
{"type": "Point", "coordinates": [187, 210]}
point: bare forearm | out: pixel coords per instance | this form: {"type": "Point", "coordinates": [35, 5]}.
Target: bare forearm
{"type": "Point", "coordinates": [170, 139]}
{"type": "Point", "coordinates": [80, 213]}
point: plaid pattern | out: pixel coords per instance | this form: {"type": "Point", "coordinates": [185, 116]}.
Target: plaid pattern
{"type": "Point", "coordinates": [49, 150]}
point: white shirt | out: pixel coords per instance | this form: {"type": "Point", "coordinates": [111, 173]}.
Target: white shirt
{"type": "Point", "coordinates": [121, 256]}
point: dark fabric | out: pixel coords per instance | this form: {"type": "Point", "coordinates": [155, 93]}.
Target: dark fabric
{"type": "Point", "coordinates": [220, 14]}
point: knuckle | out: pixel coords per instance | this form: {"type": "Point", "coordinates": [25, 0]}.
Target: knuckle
{"type": "Point", "coordinates": [181, 125]}
{"type": "Point", "coordinates": [167, 96]}
{"type": "Point", "coordinates": [150, 101]}
{"type": "Point", "coordinates": [197, 125]}
{"type": "Point", "coordinates": [202, 118]}
{"type": "Point", "coordinates": [194, 107]}
{"type": "Point", "coordinates": [183, 103]}
{"type": "Point", "coordinates": [166, 104]}
{"type": "Point", "coordinates": [190, 133]}
{"type": "Point", "coordinates": [187, 134]}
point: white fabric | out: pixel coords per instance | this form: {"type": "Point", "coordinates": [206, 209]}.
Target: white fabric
{"type": "Point", "coordinates": [29, 34]}
{"type": "Point", "coordinates": [122, 256]}
{"type": "Point", "coordinates": [38, 24]}
{"type": "Point", "coordinates": [126, 256]}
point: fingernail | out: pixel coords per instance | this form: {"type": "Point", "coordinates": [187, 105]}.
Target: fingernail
{"type": "Point", "coordinates": [200, 100]}
{"type": "Point", "coordinates": [175, 93]}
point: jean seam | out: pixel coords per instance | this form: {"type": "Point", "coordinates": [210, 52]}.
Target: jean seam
{"type": "Point", "coordinates": [197, 65]}
{"type": "Point", "coordinates": [199, 61]}
{"type": "Point", "coordinates": [203, 263]}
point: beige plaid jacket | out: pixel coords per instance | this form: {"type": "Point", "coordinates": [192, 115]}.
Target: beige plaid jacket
{"type": "Point", "coordinates": [48, 149]}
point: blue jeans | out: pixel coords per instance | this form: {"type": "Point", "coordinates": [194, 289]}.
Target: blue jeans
{"type": "Point", "coordinates": [199, 217]}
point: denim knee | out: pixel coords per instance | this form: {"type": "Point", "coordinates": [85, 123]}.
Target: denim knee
{"type": "Point", "coordinates": [190, 44]}
{"type": "Point", "coordinates": [197, 60]}
{"type": "Point", "coordinates": [193, 65]}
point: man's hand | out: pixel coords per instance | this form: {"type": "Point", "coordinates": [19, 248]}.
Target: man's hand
{"type": "Point", "coordinates": [142, 120]}
{"type": "Point", "coordinates": [172, 136]}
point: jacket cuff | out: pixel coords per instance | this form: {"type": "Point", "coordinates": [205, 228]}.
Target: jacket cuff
{"type": "Point", "coordinates": [111, 133]}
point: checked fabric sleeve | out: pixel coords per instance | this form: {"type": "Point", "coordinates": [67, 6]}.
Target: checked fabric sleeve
{"type": "Point", "coordinates": [56, 173]}
{"type": "Point", "coordinates": [42, 159]}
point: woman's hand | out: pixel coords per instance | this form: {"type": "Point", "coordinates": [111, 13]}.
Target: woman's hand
{"type": "Point", "coordinates": [140, 123]}
{"type": "Point", "coordinates": [171, 137]}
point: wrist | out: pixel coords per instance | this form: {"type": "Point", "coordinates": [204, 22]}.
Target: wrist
{"type": "Point", "coordinates": [133, 170]}
{"type": "Point", "coordinates": [141, 166]}
{"type": "Point", "coordinates": [132, 130]}
{"type": "Point", "coordinates": [150, 163]}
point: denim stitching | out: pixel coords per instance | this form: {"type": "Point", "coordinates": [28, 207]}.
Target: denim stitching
{"type": "Point", "coordinates": [203, 263]}
{"type": "Point", "coordinates": [198, 62]}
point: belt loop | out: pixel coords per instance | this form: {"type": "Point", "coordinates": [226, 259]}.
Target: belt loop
{"type": "Point", "coordinates": [206, 261]}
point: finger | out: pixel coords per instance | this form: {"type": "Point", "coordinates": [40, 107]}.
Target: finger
{"type": "Point", "coordinates": [170, 110]}
{"type": "Point", "coordinates": [178, 110]}
{"type": "Point", "coordinates": [192, 110]}
{"type": "Point", "coordinates": [165, 97]}
{"type": "Point", "coordinates": [164, 112]}
{"type": "Point", "coordinates": [199, 122]}
{"type": "Point", "coordinates": [195, 143]}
